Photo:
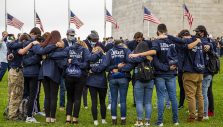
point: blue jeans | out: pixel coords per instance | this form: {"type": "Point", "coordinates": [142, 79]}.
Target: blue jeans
{"type": "Point", "coordinates": [205, 85]}
{"type": "Point", "coordinates": [62, 92]}
{"type": "Point", "coordinates": [143, 97]}
{"type": "Point", "coordinates": [168, 82]}
{"type": "Point", "coordinates": [3, 68]}
{"type": "Point", "coordinates": [167, 99]}
{"type": "Point", "coordinates": [120, 85]}
{"type": "Point", "coordinates": [109, 96]}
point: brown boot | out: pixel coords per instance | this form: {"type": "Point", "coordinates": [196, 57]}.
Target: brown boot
{"type": "Point", "coordinates": [190, 119]}
{"type": "Point", "coordinates": [114, 121]}
{"type": "Point", "coordinates": [123, 122]}
{"type": "Point", "coordinates": [199, 118]}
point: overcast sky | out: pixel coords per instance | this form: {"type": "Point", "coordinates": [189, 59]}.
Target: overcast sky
{"type": "Point", "coordinates": [54, 13]}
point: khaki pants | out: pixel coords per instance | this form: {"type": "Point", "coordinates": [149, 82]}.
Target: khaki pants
{"type": "Point", "coordinates": [192, 83]}
{"type": "Point", "coordinates": [15, 91]}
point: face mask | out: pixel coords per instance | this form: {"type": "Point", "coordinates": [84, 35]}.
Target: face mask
{"type": "Point", "coordinates": [70, 38]}
{"type": "Point", "coordinates": [33, 37]}
{"type": "Point", "coordinates": [10, 39]}
{"type": "Point", "coordinates": [93, 43]}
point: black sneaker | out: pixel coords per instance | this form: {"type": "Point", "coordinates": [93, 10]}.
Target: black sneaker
{"type": "Point", "coordinates": [114, 121]}
{"type": "Point", "coordinates": [180, 107]}
{"type": "Point", "coordinates": [123, 122]}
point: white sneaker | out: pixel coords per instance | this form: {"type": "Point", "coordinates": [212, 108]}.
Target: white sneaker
{"type": "Point", "coordinates": [147, 124]}
{"type": "Point", "coordinates": [176, 124]}
{"type": "Point", "coordinates": [205, 118]}
{"type": "Point", "coordinates": [138, 124]}
{"type": "Point", "coordinates": [41, 113]}
{"type": "Point", "coordinates": [96, 123]}
{"type": "Point", "coordinates": [31, 120]}
{"type": "Point", "coordinates": [168, 107]}
{"type": "Point", "coordinates": [103, 121]}
{"type": "Point", "coordinates": [109, 107]}
{"type": "Point", "coordinates": [86, 107]}
{"type": "Point", "coordinates": [119, 105]}
{"type": "Point", "coordinates": [159, 125]}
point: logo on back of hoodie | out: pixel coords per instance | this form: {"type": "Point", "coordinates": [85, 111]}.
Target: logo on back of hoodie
{"type": "Point", "coordinates": [165, 46]}
{"type": "Point", "coordinates": [96, 63]}
{"type": "Point", "coordinates": [117, 54]}
{"type": "Point", "coordinates": [74, 54]}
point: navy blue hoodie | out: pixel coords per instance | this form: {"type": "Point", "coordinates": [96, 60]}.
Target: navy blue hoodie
{"type": "Point", "coordinates": [118, 54]}
{"type": "Point", "coordinates": [181, 47]}
{"type": "Point", "coordinates": [80, 57]}
{"type": "Point", "coordinates": [31, 62]}
{"type": "Point", "coordinates": [49, 67]}
{"type": "Point", "coordinates": [161, 60]}
{"type": "Point", "coordinates": [14, 47]}
{"type": "Point", "coordinates": [98, 76]}
{"type": "Point", "coordinates": [132, 45]}
{"type": "Point", "coordinates": [188, 57]}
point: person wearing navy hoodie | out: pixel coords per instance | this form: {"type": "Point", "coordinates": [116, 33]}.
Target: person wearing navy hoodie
{"type": "Point", "coordinates": [16, 80]}
{"type": "Point", "coordinates": [143, 88]}
{"type": "Point", "coordinates": [192, 68]}
{"type": "Point", "coordinates": [70, 40]}
{"type": "Point", "coordinates": [31, 67]}
{"type": "Point", "coordinates": [138, 38]}
{"type": "Point", "coordinates": [77, 56]}
{"type": "Point", "coordinates": [118, 76]}
{"type": "Point", "coordinates": [165, 64]}
{"type": "Point", "coordinates": [91, 42]}
{"type": "Point", "coordinates": [50, 73]}
{"type": "Point", "coordinates": [97, 84]}
{"type": "Point", "coordinates": [208, 47]}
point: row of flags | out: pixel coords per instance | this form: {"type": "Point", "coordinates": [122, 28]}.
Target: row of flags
{"type": "Point", "coordinates": [148, 16]}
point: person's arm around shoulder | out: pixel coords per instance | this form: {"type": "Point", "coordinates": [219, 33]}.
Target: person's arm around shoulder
{"type": "Point", "coordinates": [25, 49]}
{"type": "Point", "coordinates": [193, 44]}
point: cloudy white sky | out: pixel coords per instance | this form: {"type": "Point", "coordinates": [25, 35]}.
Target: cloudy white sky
{"type": "Point", "coordinates": [53, 14]}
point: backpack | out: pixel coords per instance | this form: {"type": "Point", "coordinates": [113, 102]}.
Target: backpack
{"type": "Point", "coordinates": [23, 109]}
{"type": "Point", "coordinates": [213, 64]}
{"type": "Point", "coordinates": [144, 71]}
{"type": "Point", "coordinates": [73, 71]}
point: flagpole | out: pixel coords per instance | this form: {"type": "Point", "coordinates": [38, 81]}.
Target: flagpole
{"type": "Point", "coordinates": [183, 14]}
{"type": "Point", "coordinates": [143, 16]}
{"type": "Point", "coordinates": [104, 19]}
{"type": "Point", "coordinates": [34, 13]}
{"type": "Point", "coordinates": [5, 15]}
{"type": "Point", "coordinates": [68, 14]}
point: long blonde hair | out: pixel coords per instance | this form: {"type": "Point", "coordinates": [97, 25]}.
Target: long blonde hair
{"type": "Point", "coordinates": [82, 43]}
{"type": "Point", "coordinates": [97, 49]}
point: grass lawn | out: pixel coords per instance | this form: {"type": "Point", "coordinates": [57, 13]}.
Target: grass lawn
{"type": "Point", "coordinates": [85, 119]}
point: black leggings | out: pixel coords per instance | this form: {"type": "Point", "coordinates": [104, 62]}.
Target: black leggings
{"type": "Point", "coordinates": [85, 92]}
{"type": "Point", "coordinates": [32, 83]}
{"type": "Point", "coordinates": [94, 91]}
{"type": "Point", "coordinates": [74, 88]}
{"type": "Point", "coordinates": [51, 92]}
{"type": "Point", "coordinates": [182, 92]}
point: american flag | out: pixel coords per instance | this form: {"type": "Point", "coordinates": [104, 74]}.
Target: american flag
{"type": "Point", "coordinates": [12, 21]}
{"type": "Point", "coordinates": [75, 20]}
{"type": "Point", "coordinates": [110, 19]}
{"type": "Point", "coordinates": [38, 21]}
{"type": "Point", "coordinates": [189, 16]}
{"type": "Point", "coordinates": [150, 17]}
